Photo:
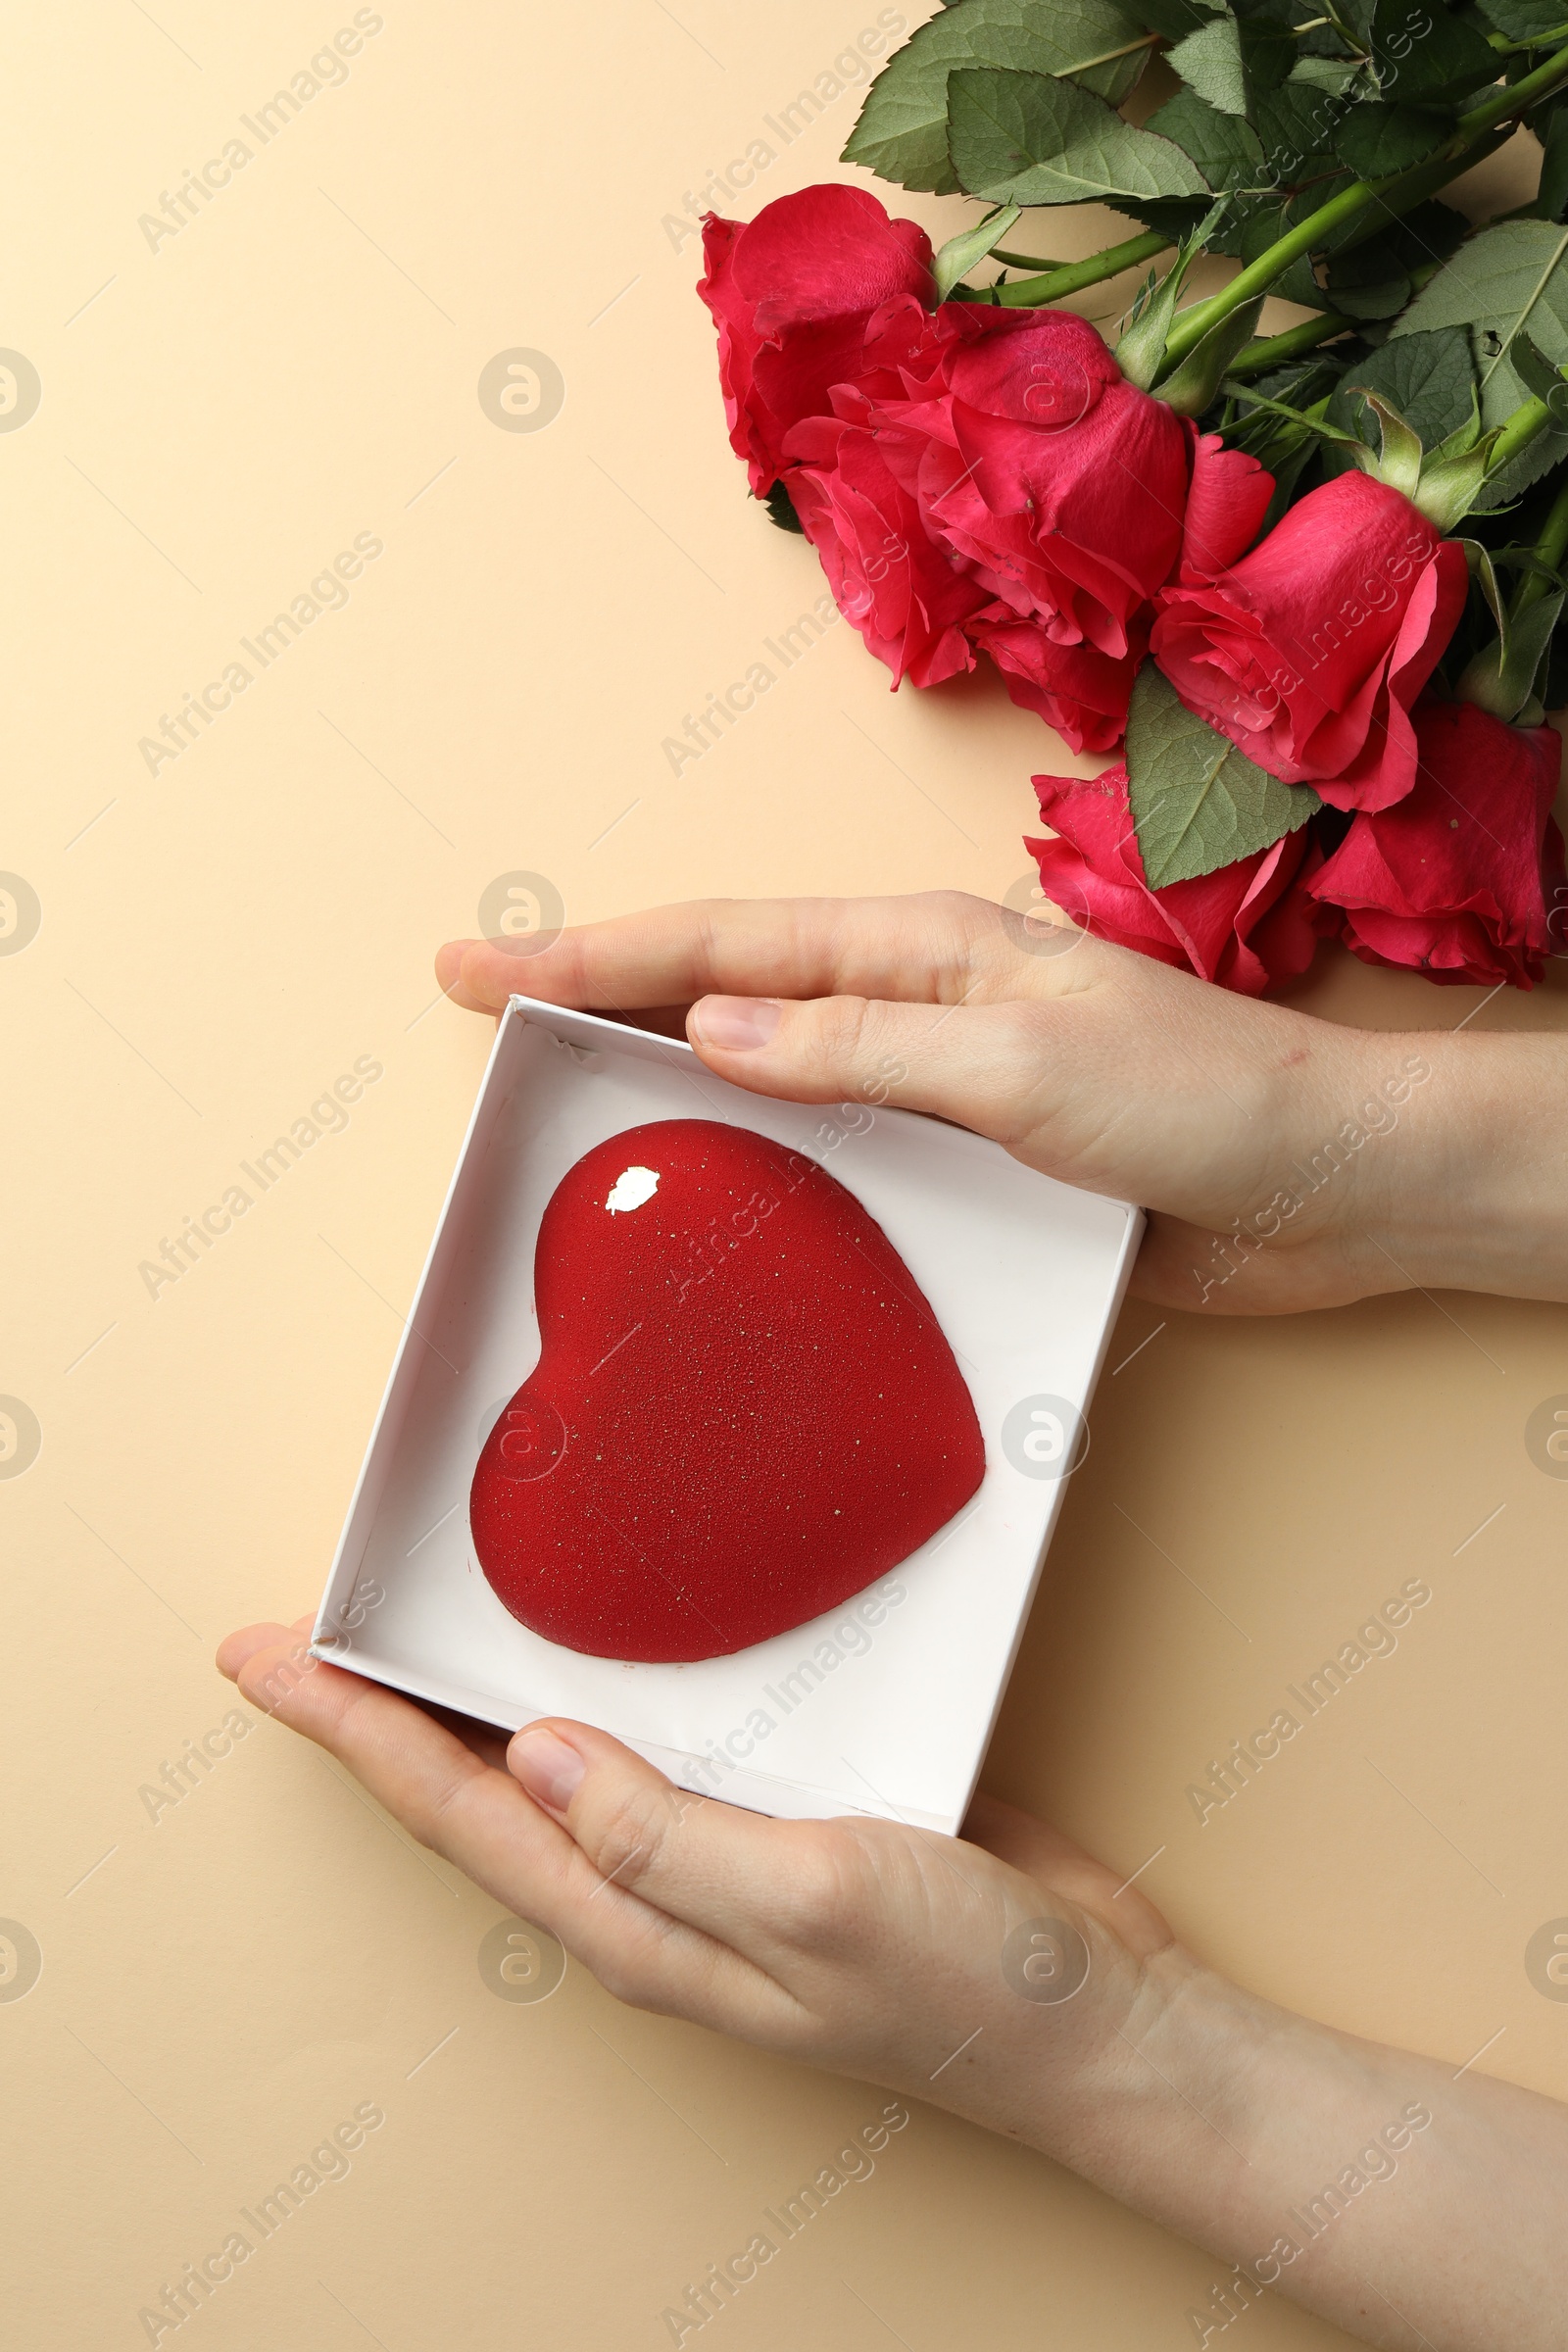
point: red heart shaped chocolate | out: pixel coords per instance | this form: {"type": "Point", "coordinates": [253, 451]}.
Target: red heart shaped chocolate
{"type": "Point", "coordinates": [744, 1409]}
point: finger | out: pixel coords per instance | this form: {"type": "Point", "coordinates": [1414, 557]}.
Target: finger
{"type": "Point", "coordinates": [1060, 1865]}
{"type": "Point", "coordinates": [236, 1649]}
{"type": "Point", "coordinates": [449, 961]}
{"type": "Point", "coordinates": [419, 1770]}
{"type": "Point", "coordinates": [733, 1874]}
{"type": "Point", "coordinates": [990, 1068]}
{"type": "Point", "coordinates": [663, 1021]}
{"type": "Point", "coordinates": [939, 945]}
{"type": "Point", "coordinates": [483, 1822]}
{"type": "Point", "coordinates": [481, 1740]}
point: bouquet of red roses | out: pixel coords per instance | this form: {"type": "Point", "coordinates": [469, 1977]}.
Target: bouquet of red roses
{"type": "Point", "coordinates": [1284, 577]}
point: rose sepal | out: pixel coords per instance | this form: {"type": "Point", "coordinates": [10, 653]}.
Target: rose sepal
{"type": "Point", "coordinates": [1501, 678]}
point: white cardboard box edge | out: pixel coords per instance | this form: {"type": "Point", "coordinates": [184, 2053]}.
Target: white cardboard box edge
{"type": "Point", "coordinates": [758, 1789]}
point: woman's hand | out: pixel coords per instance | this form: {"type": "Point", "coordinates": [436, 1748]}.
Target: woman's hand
{"type": "Point", "coordinates": [1009, 1977]}
{"type": "Point", "coordinates": [1286, 1162]}
{"type": "Point", "coordinates": [856, 1945]}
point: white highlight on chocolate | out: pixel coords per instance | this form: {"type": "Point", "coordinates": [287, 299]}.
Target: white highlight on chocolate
{"type": "Point", "coordinates": [631, 1188]}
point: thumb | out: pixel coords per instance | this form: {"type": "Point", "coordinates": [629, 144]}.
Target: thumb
{"type": "Point", "coordinates": [982, 1065]}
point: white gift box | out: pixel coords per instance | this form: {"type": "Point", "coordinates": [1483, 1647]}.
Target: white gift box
{"type": "Point", "coordinates": [884, 1707]}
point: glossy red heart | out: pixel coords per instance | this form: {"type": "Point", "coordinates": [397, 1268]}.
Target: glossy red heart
{"type": "Point", "coordinates": [744, 1409]}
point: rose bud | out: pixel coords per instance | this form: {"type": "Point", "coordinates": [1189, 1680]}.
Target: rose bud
{"type": "Point", "coordinates": [1227, 500]}
{"type": "Point", "coordinates": [907, 596]}
{"type": "Point", "coordinates": [1463, 879]}
{"type": "Point", "coordinates": [791, 293]}
{"type": "Point", "coordinates": [1310, 652]}
{"type": "Point", "coordinates": [1249, 926]}
{"type": "Point", "coordinates": [1060, 483]}
{"type": "Point", "coordinates": [1076, 689]}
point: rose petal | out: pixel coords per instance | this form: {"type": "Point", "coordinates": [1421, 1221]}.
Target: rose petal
{"type": "Point", "coordinates": [1463, 878]}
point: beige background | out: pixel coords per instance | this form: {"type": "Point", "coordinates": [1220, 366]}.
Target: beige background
{"type": "Point", "coordinates": [219, 417]}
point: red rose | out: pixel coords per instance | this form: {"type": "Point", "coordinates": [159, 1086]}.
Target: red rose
{"type": "Point", "coordinates": [1227, 500]}
{"type": "Point", "coordinates": [1249, 926]}
{"type": "Point", "coordinates": [908, 598]}
{"type": "Point", "coordinates": [791, 293]}
{"type": "Point", "coordinates": [1463, 879]}
{"type": "Point", "coordinates": [1309, 653]}
{"type": "Point", "coordinates": [1076, 689]}
{"type": "Point", "coordinates": [1061, 483]}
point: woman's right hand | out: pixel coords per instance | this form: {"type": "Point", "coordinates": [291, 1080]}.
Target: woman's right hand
{"type": "Point", "coordinates": [1287, 1162]}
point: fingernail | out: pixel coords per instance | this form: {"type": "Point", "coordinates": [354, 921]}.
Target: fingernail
{"type": "Point", "coordinates": [547, 1767]}
{"type": "Point", "coordinates": [736, 1024]}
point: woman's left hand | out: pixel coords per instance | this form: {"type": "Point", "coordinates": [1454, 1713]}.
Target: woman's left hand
{"type": "Point", "coordinates": [1008, 1976]}
{"type": "Point", "coordinates": [859, 1945]}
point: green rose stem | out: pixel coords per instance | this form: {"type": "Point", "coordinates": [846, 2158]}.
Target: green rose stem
{"type": "Point", "coordinates": [1073, 276]}
{"type": "Point", "coordinates": [1518, 433]}
{"type": "Point", "coordinates": [1272, 351]}
{"type": "Point", "coordinates": [1407, 187]}
{"type": "Point", "coordinates": [1447, 481]}
{"type": "Point", "coordinates": [1552, 545]}
{"type": "Point", "coordinates": [1416, 186]}
{"type": "Point", "coordinates": [1550, 550]}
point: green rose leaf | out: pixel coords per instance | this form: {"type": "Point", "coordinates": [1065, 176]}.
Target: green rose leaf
{"type": "Point", "coordinates": [1370, 281]}
{"type": "Point", "coordinates": [1331, 75]}
{"type": "Point", "coordinates": [1427, 55]}
{"type": "Point", "coordinates": [961, 254]}
{"type": "Point", "coordinates": [902, 133]}
{"type": "Point", "coordinates": [1199, 802]}
{"type": "Point", "coordinates": [1371, 277]}
{"type": "Point", "coordinates": [1374, 141]}
{"type": "Point", "coordinates": [1524, 20]}
{"type": "Point", "coordinates": [1175, 217]}
{"type": "Point", "coordinates": [1226, 149]}
{"type": "Point", "coordinates": [1551, 198]}
{"type": "Point", "coordinates": [1503, 278]}
{"type": "Point", "coordinates": [1025, 138]}
{"type": "Point", "coordinates": [1428, 377]}
{"type": "Point", "coordinates": [1209, 62]}
{"type": "Point", "coordinates": [1231, 61]}
{"type": "Point", "coordinates": [1175, 19]}
{"type": "Point", "coordinates": [1296, 124]}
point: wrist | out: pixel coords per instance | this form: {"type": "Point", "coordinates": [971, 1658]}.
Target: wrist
{"type": "Point", "coordinates": [1160, 2120]}
{"type": "Point", "coordinates": [1475, 1195]}
{"type": "Point", "coordinates": [1309, 2162]}
{"type": "Point", "coordinates": [1213, 2111]}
